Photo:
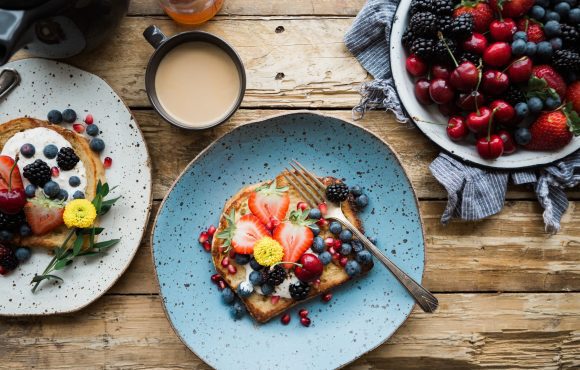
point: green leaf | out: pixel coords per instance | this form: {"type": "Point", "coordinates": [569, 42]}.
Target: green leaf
{"type": "Point", "coordinates": [77, 245]}
{"type": "Point", "coordinates": [97, 203]}
{"type": "Point", "coordinates": [39, 278]}
{"type": "Point", "coordinates": [89, 253]}
{"type": "Point", "coordinates": [537, 84]}
{"type": "Point", "coordinates": [106, 244]}
{"type": "Point", "coordinates": [97, 230]}
{"type": "Point", "coordinates": [110, 202]}
{"type": "Point", "coordinates": [62, 264]}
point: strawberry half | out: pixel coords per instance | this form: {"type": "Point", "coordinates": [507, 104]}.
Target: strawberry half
{"type": "Point", "coordinates": [43, 215]}
{"type": "Point", "coordinates": [269, 201]}
{"type": "Point", "coordinates": [554, 130]}
{"type": "Point", "coordinates": [533, 29]}
{"type": "Point", "coordinates": [243, 234]}
{"type": "Point", "coordinates": [295, 236]}
{"type": "Point", "coordinates": [573, 96]}
{"type": "Point", "coordinates": [480, 11]}
{"type": "Point", "coordinates": [6, 164]}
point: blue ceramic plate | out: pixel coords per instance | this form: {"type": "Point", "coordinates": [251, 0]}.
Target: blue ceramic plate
{"type": "Point", "coordinates": [362, 314]}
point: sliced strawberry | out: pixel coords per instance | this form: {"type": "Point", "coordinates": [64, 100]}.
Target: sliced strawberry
{"type": "Point", "coordinates": [6, 164]}
{"type": "Point", "coordinates": [295, 236]}
{"type": "Point", "coordinates": [43, 215]}
{"type": "Point", "coordinates": [269, 201]}
{"type": "Point", "coordinates": [244, 233]}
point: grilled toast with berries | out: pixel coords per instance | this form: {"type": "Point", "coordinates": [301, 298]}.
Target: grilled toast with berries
{"type": "Point", "coordinates": [43, 217]}
{"type": "Point", "coordinates": [250, 217]}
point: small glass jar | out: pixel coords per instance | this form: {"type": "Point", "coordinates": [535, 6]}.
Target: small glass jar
{"type": "Point", "coordinates": [191, 12]}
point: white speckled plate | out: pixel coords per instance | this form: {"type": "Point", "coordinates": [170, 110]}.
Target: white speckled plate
{"type": "Point", "coordinates": [50, 85]}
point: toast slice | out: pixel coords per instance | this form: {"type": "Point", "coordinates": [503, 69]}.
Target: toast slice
{"type": "Point", "coordinates": [263, 308]}
{"type": "Point", "coordinates": [91, 161]}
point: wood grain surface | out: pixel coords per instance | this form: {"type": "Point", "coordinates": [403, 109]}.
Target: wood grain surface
{"type": "Point", "coordinates": [509, 292]}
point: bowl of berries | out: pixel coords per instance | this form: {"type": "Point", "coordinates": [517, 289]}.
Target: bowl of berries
{"type": "Point", "coordinates": [494, 82]}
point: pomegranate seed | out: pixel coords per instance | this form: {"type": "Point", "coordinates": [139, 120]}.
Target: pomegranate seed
{"type": "Point", "coordinates": [316, 282]}
{"type": "Point", "coordinates": [89, 119]}
{"type": "Point", "coordinates": [329, 242]}
{"type": "Point", "coordinates": [203, 237]}
{"type": "Point", "coordinates": [274, 299]}
{"type": "Point", "coordinates": [305, 321]}
{"type": "Point", "coordinates": [275, 222]}
{"type": "Point", "coordinates": [232, 253]}
{"type": "Point", "coordinates": [269, 225]}
{"type": "Point", "coordinates": [327, 297]}
{"type": "Point", "coordinates": [211, 230]}
{"type": "Point", "coordinates": [108, 162]}
{"type": "Point", "coordinates": [207, 246]}
{"type": "Point", "coordinates": [78, 128]}
{"type": "Point", "coordinates": [323, 208]}
{"type": "Point", "coordinates": [221, 285]}
{"type": "Point", "coordinates": [215, 278]}
{"type": "Point", "coordinates": [337, 244]}
{"type": "Point", "coordinates": [336, 256]}
{"type": "Point", "coordinates": [226, 261]}
{"type": "Point", "coordinates": [343, 261]}
{"type": "Point", "coordinates": [323, 222]}
{"type": "Point", "coordinates": [301, 206]}
{"type": "Point", "coordinates": [55, 171]}
{"type": "Point", "coordinates": [331, 250]}
{"type": "Point", "coordinates": [303, 312]}
{"type": "Point", "coordinates": [232, 269]}
{"type": "Point", "coordinates": [285, 319]}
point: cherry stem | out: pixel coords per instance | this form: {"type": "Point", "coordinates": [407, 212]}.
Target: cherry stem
{"type": "Point", "coordinates": [489, 123]}
{"type": "Point", "coordinates": [440, 35]}
{"type": "Point", "coordinates": [512, 63]}
{"type": "Point", "coordinates": [479, 76]}
{"type": "Point", "coordinates": [12, 170]}
{"type": "Point", "coordinates": [284, 262]}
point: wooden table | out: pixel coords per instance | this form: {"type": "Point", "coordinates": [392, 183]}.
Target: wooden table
{"type": "Point", "coordinates": [509, 293]}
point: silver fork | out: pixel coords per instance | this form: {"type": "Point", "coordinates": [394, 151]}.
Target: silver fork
{"type": "Point", "coordinates": [313, 192]}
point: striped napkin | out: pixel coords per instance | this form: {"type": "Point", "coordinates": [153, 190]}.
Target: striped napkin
{"type": "Point", "coordinates": [473, 192]}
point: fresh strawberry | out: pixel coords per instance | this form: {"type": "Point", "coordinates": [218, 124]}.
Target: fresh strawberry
{"type": "Point", "coordinates": [573, 96]}
{"type": "Point", "coordinates": [554, 130]}
{"type": "Point", "coordinates": [6, 164]}
{"type": "Point", "coordinates": [553, 78]}
{"type": "Point", "coordinates": [269, 201]}
{"type": "Point", "coordinates": [295, 236]}
{"type": "Point", "coordinates": [533, 29]}
{"type": "Point", "coordinates": [43, 215]}
{"type": "Point", "coordinates": [242, 234]}
{"type": "Point", "coordinates": [511, 8]}
{"type": "Point", "coordinates": [481, 12]}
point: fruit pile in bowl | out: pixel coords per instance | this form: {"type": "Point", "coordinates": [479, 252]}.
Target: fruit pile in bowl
{"type": "Point", "coordinates": [504, 73]}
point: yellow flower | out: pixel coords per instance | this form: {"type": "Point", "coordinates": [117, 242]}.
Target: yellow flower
{"type": "Point", "coordinates": [79, 213]}
{"type": "Point", "coordinates": [267, 251]}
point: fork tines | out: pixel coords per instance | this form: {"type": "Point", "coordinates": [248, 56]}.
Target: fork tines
{"type": "Point", "coordinates": [308, 186]}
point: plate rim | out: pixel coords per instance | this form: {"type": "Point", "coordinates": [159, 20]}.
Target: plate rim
{"type": "Point", "coordinates": [258, 120]}
{"type": "Point", "coordinates": [396, 19]}
{"type": "Point", "coordinates": [149, 202]}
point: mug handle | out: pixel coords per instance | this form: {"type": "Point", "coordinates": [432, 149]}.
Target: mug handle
{"type": "Point", "coordinates": [154, 35]}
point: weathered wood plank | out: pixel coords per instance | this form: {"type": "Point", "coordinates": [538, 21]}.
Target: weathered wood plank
{"type": "Point", "coordinates": [265, 8]}
{"type": "Point", "coordinates": [524, 331]}
{"type": "Point", "coordinates": [507, 252]}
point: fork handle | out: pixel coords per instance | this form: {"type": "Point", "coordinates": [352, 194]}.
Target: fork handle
{"type": "Point", "coordinates": [427, 301]}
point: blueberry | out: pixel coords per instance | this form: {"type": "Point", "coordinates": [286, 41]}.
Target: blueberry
{"type": "Point", "coordinates": [357, 246]}
{"type": "Point", "coordinates": [551, 102]}
{"type": "Point", "coordinates": [50, 151]}
{"type": "Point", "coordinates": [315, 214]}
{"type": "Point", "coordinates": [519, 47]}
{"type": "Point", "coordinates": [242, 259]}
{"type": "Point", "coordinates": [267, 289]}
{"type": "Point", "coordinates": [79, 195]}
{"type": "Point", "coordinates": [335, 227]}
{"type": "Point", "coordinates": [62, 195]}
{"type": "Point", "coordinates": [345, 249]}
{"type": "Point", "coordinates": [27, 150]}
{"type": "Point", "coordinates": [531, 48]}
{"type": "Point", "coordinates": [563, 9]}
{"type": "Point", "coordinates": [356, 190]}
{"type": "Point", "coordinates": [51, 189]}
{"type": "Point", "coordinates": [237, 310]}
{"type": "Point", "coordinates": [522, 110]}
{"type": "Point", "coordinates": [74, 181]}
{"type": "Point", "coordinates": [521, 35]}
{"type": "Point", "coordinates": [522, 136]}
{"type": "Point", "coordinates": [92, 130]}
{"type": "Point", "coordinates": [538, 12]}
{"type": "Point", "coordinates": [365, 257]}
{"type": "Point", "coordinates": [256, 277]}
{"type": "Point", "coordinates": [255, 265]}
{"type": "Point", "coordinates": [551, 16]}
{"type": "Point", "coordinates": [362, 201]}
{"type": "Point", "coordinates": [571, 2]}
{"type": "Point", "coordinates": [543, 3]}
{"type": "Point", "coordinates": [325, 257]}
{"type": "Point", "coordinates": [372, 239]}
{"type": "Point", "coordinates": [556, 43]}
{"type": "Point", "coordinates": [535, 104]}
{"type": "Point", "coordinates": [54, 116]}
{"type": "Point", "coordinates": [574, 16]}
{"type": "Point", "coordinates": [245, 289]}
{"type": "Point", "coordinates": [352, 268]}
{"type": "Point", "coordinates": [315, 229]}
{"type": "Point", "coordinates": [25, 230]}
{"type": "Point", "coordinates": [552, 28]}
{"type": "Point", "coordinates": [22, 254]}
{"type": "Point", "coordinates": [97, 145]}
{"type": "Point", "coordinates": [545, 50]}
{"type": "Point", "coordinates": [30, 191]}
{"type": "Point", "coordinates": [69, 115]}
{"type": "Point", "coordinates": [318, 245]}
{"type": "Point", "coordinates": [228, 296]}
{"type": "Point", "coordinates": [5, 235]}
{"type": "Point", "coordinates": [345, 236]}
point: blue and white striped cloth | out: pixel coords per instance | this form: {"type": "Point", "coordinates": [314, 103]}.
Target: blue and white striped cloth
{"type": "Point", "coordinates": [473, 193]}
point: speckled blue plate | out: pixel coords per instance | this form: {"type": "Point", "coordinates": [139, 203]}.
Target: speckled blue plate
{"type": "Point", "coordinates": [362, 314]}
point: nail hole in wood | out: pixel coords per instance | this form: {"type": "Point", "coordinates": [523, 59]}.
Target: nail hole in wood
{"type": "Point", "coordinates": [280, 75]}
{"type": "Point", "coordinates": [280, 29]}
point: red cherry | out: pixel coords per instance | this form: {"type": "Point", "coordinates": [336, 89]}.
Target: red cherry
{"type": "Point", "coordinates": [504, 112]}
{"type": "Point", "coordinates": [497, 54]}
{"type": "Point", "coordinates": [285, 319]}
{"type": "Point", "coordinates": [503, 30]}
{"type": "Point", "coordinates": [416, 66]}
{"type": "Point", "coordinates": [448, 109]}
{"type": "Point", "coordinates": [439, 71]}
{"type": "Point", "coordinates": [470, 101]}
{"type": "Point", "coordinates": [494, 82]}
{"type": "Point", "coordinates": [310, 268]}
{"type": "Point", "coordinates": [490, 147]}
{"type": "Point", "coordinates": [327, 297]}
{"type": "Point", "coordinates": [456, 128]}
{"type": "Point", "coordinates": [520, 70]}
{"type": "Point", "coordinates": [422, 92]}
{"type": "Point", "coordinates": [478, 121]}
{"type": "Point", "coordinates": [305, 321]}
{"type": "Point", "coordinates": [509, 145]}
{"type": "Point", "coordinates": [12, 200]}
{"type": "Point", "coordinates": [303, 312]}
{"type": "Point", "coordinates": [465, 77]}
{"type": "Point", "coordinates": [440, 91]}
{"type": "Point", "coordinates": [476, 43]}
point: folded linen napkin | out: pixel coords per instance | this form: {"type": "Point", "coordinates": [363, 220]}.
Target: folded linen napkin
{"type": "Point", "coordinates": [473, 192]}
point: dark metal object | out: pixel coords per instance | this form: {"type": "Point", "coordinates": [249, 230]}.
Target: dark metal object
{"type": "Point", "coordinates": [9, 79]}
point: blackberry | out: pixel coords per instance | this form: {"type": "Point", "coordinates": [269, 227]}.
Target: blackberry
{"type": "Point", "coordinates": [566, 60]}
{"type": "Point", "coordinates": [513, 95]}
{"type": "Point", "coordinates": [67, 159]}
{"type": "Point", "coordinates": [569, 35]}
{"type": "Point", "coordinates": [423, 24]}
{"type": "Point", "coordinates": [445, 25]}
{"type": "Point", "coordinates": [466, 56]}
{"type": "Point", "coordinates": [337, 192]}
{"type": "Point", "coordinates": [418, 6]}
{"type": "Point", "coordinates": [8, 260]}
{"type": "Point", "coordinates": [462, 26]}
{"type": "Point", "coordinates": [408, 38]}
{"type": "Point", "coordinates": [11, 222]}
{"type": "Point", "coordinates": [275, 276]}
{"type": "Point", "coordinates": [440, 52]}
{"type": "Point", "coordinates": [37, 172]}
{"type": "Point", "coordinates": [299, 290]}
{"type": "Point", "coordinates": [422, 47]}
{"type": "Point", "coordinates": [443, 7]}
